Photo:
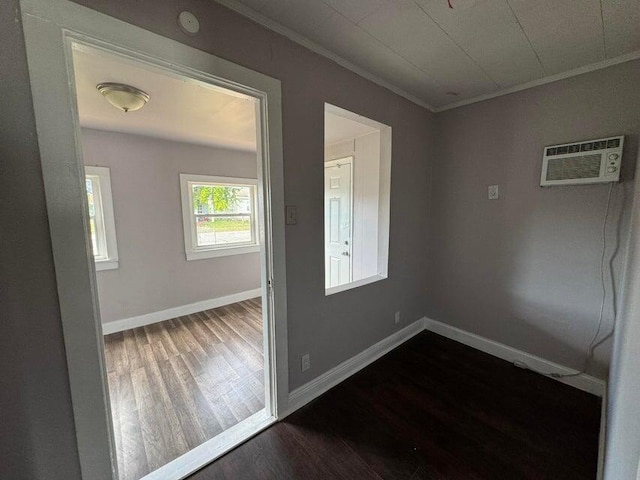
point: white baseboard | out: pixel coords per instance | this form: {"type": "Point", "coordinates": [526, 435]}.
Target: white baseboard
{"type": "Point", "coordinates": [307, 392]}
{"type": "Point", "coordinates": [584, 382]}
{"type": "Point", "coordinates": [162, 315]}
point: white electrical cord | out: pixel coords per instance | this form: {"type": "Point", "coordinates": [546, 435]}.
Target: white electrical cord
{"type": "Point", "coordinates": [593, 344]}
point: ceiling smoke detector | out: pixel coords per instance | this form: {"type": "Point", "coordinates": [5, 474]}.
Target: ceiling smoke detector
{"type": "Point", "coordinates": [123, 97]}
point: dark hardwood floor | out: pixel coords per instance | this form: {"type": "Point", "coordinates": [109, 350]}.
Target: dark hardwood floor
{"type": "Point", "coordinates": [432, 409]}
{"type": "Point", "coordinates": [175, 384]}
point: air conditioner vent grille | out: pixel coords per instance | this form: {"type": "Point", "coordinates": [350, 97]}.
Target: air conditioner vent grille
{"type": "Point", "coordinates": [584, 166]}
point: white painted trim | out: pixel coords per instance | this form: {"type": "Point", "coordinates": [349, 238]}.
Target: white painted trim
{"type": "Point", "coordinates": [221, 252]}
{"type": "Point", "coordinates": [162, 315]}
{"type": "Point", "coordinates": [384, 198]}
{"type": "Point", "coordinates": [307, 392]}
{"type": "Point", "coordinates": [51, 29]}
{"type": "Point", "coordinates": [583, 382]}
{"type": "Point", "coordinates": [543, 81]}
{"type": "Point", "coordinates": [213, 448]}
{"type": "Point", "coordinates": [277, 27]}
{"type": "Point", "coordinates": [106, 265]}
{"type": "Point", "coordinates": [192, 251]}
{"type": "Point", "coordinates": [105, 218]}
{"type": "Point", "coordinates": [358, 283]}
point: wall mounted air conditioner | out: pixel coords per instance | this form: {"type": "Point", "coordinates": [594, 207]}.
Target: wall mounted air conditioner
{"type": "Point", "coordinates": [593, 161]}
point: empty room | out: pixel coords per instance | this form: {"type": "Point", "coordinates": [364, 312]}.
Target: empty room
{"type": "Point", "coordinates": [320, 239]}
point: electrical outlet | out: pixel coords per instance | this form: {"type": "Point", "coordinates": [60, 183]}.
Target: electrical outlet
{"type": "Point", "coordinates": [494, 192]}
{"type": "Point", "coordinates": [396, 319]}
{"type": "Point", "coordinates": [291, 215]}
{"type": "Point", "coordinates": [305, 362]}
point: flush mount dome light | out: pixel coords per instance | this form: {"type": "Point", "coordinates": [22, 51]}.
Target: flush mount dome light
{"type": "Point", "coordinates": [124, 97]}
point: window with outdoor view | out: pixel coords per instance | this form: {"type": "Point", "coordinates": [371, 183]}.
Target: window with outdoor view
{"type": "Point", "coordinates": [101, 220]}
{"type": "Point", "coordinates": [219, 215]}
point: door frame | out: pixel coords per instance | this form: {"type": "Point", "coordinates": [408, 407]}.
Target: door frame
{"type": "Point", "coordinates": [50, 29]}
{"type": "Point", "coordinates": [350, 160]}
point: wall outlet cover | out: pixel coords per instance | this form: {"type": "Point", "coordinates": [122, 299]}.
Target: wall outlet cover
{"type": "Point", "coordinates": [494, 192]}
{"type": "Point", "coordinates": [305, 363]}
{"type": "Point", "coordinates": [291, 215]}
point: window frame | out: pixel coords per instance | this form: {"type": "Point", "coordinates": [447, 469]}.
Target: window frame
{"type": "Point", "coordinates": [192, 250]}
{"type": "Point", "coordinates": [384, 200]}
{"type": "Point", "coordinates": [104, 217]}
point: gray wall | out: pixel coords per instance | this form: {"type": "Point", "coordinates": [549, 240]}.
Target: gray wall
{"type": "Point", "coordinates": [153, 272]}
{"type": "Point", "coordinates": [332, 329]}
{"type": "Point", "coordinates": [37, 434]}
{"type": "Point", "coordinates": [623, 438]}
{"type": "Point", "coordinates": [524, 270]}
{"type": "Point", "coordinates": [492, 272]}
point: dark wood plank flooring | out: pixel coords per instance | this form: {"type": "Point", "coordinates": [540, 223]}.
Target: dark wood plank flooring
{"type": "Point", "coordinates": [175, 384]}
{"type": "Point", "coordinates": [432, 409]}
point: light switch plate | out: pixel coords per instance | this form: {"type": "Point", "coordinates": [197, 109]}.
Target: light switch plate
{"type": "Point", "coordinates": [494, 192]}
{"type": "Point", "coordinates": [291, 215]}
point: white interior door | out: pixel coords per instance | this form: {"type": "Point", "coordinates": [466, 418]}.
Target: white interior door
{"type": "Point", "coordinates": [338, 208]}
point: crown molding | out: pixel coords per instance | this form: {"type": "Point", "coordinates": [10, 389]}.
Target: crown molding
{"type": "Point", "coordinates": [543, 81]}
{"type": "Point", "coordinates": [277, 27]}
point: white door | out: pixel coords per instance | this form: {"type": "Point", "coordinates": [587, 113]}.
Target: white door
{"type": "Point", "coordinates": [337, 221]}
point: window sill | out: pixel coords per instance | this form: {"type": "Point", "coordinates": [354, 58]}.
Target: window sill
{"type": "Point", "coordinates": [106, 265]}
{"type": "Point", "coordinates": [221, 252]}
{"type": "Point", "coordinates": [356, 284]}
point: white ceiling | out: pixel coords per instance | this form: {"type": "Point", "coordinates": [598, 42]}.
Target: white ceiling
{"type": "Point", "coordinates": [179, 109]}
{"type": "Point", "coordinates": [428, 52]}
{"type": "Point", "coordinates": [338, 128]}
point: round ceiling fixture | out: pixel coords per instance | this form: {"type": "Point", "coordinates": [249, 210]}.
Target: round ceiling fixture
{"type": "Point", "coordinates": [188, 23]}
{"type": "Point", "coordinates": [123, 97]}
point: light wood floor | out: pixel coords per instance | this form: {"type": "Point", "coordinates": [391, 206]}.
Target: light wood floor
{"type": "Point", "coordinates": [175, 384]}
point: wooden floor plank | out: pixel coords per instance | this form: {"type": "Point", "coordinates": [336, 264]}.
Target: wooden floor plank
{"type": "Point", "coordinates": [432, 409]}
{"type": "Point", "coordinates": [178, 383]}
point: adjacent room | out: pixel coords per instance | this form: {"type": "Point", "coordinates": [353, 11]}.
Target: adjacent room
{"type": "Point", "coordinates": [171, 178]}
{"type": "Point", "coordinates": [320, 239]}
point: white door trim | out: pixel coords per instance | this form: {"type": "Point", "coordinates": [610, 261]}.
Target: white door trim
{"type": "Point", "coordinates": [348, 160]}
{"type": "Point", "coordinates": [50, 29]}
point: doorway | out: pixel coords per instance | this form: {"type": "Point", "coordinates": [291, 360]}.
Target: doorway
{"type": "Point", "coordinates": [52, 32]}
{"type": "Point", "coordinates": [338, 221]}
{"type": "Point", "coordinates": [174, 221]}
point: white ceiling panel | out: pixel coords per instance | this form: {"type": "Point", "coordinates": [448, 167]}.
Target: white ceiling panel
{"type": "Point", "coordinates": [306, 15]}
{"type": "Point", "coordinates": [566, 34]}
{"type": "Point", "coordinates": [338, 129]}
{"type": "Point", "coordinates": [424, 49]}
{"type": "Point", "coordinates": [408, 31]}
{"type": "Point", "coordinates": [340, 36]}
{"type": "Point", "coordinates": [179, 109]}
{"type": "Point", "coordinates": [621, 26]}
{"type": "Point", "coordinates": [489, 32]}
{"type": "Point", "coordinates": [356, 10]}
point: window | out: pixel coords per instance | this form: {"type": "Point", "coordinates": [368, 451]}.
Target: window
{"type": "Point", "coordinates": [219, 216]}
{"type": "Point", "coordinates": [357, 179]}
{"type": "Point", "coordinates": [101, 219]}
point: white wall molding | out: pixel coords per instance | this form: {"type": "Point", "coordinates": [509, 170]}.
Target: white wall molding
{"type": "Point", "coordinates": [277, 27]}
{"type": "Point", "coordinates": [316, 387]}
{"type": "Point", "coordinates": [610, 62]}
{"type": "Point", "coordinates": [583, 382]}
{"type": "Point", "coordinates": [162, 315]}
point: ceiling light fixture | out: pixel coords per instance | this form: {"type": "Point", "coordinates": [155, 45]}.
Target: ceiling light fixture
{"type": "Point", "coordinates": [123, 97]}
